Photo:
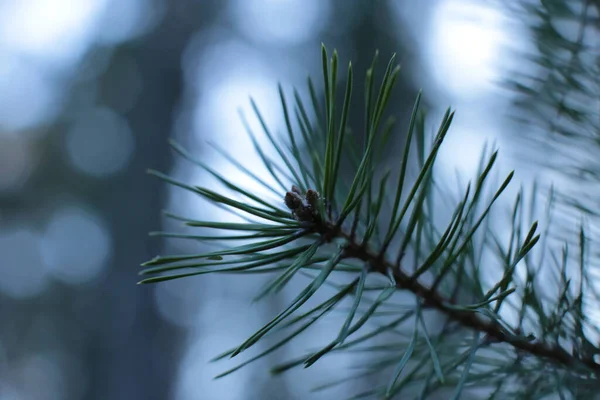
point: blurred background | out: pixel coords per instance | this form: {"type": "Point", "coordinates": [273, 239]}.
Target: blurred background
{"type": "Point", "coordinates": [91, 90]}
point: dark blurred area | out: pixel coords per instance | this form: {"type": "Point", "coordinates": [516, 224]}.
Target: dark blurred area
{"type": "Point", "coordinates": [90, 91]}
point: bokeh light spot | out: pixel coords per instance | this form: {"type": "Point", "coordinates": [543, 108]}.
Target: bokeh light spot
{"type": "Point", "coordinates": [280, 21]}
{"type": "Point", "coordinates": [57, 30]}
{"type": "Point", "coordinates": [100, 142]}
{"type": "Point", "coordinates": [76, 245]}
{"type": "Point", "coordinates": [27, 98]}
{"type": "Point", "coordinates": [466, 41]}
{"type": "Point", "coordinates": [196, 372]}
{"type": "Point", "coordinates": [129, 19]}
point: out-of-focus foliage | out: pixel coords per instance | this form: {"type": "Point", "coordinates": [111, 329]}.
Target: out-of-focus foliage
{"type": "Point", "coordinates": [558, 92]}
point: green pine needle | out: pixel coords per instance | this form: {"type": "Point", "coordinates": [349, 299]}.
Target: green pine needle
{"type": "Point", "coordinates": [363, 224]}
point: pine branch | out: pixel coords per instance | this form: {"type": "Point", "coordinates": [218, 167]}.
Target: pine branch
{"type": "Point", "coordinates": [335, 224]}
{"type": "Point", "coordinates": [469, 319]}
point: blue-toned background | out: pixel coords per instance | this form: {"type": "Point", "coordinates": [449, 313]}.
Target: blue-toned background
{"type": "Point", "coordinates": [91, 90]}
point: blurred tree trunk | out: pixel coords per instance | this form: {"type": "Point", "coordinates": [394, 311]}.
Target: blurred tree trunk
{"type": "Point", "coordinates": [142, 363]}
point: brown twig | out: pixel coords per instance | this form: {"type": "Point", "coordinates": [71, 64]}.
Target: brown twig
{"type": "Point", "coordinates": [469, 319]}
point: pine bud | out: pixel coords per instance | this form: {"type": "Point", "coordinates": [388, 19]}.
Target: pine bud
{"type": "Point", "coordinates": [293, 201]}
{"type": "Point", "coordinates": [312, 197]}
